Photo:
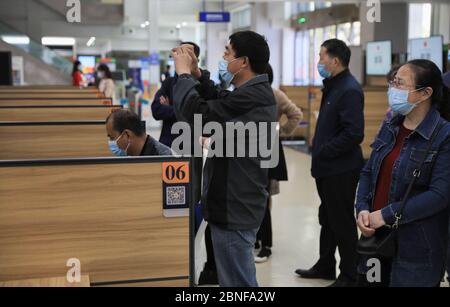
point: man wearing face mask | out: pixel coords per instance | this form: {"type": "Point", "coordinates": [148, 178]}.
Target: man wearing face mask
{"type": "Point", "coordinates": [127, 136]}
{"type": "Point", "coordinates": [336, 164]}
{"type": "Point", "coordinates": [234, 189]}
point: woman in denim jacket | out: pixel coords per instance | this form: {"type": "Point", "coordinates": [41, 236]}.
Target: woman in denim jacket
{"type": "Point", "coordinates": [420, 101]}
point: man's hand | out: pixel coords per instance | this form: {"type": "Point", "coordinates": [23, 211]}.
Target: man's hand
{"type": "Point", "coordinates": [164, 100]}
{"type": "Point", "coordinates": [376, 220]}
{"type": "Point", "coordinates": [364, 224]}
{"type": "Point", "coordinates": [183, 61]}
{"type": "Point", "coordinates": [195, 71]}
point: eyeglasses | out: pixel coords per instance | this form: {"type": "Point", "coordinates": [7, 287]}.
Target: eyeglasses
{"type": "Point", "coordinates": [400, 85]}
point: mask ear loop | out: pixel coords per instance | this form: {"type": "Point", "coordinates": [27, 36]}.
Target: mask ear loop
{"type": "Point", "coordinates": [418, 102]}
{"type": "Point", "coordinates": [128, 145]}
{"type": "Point", "coordinates": [234, 75]}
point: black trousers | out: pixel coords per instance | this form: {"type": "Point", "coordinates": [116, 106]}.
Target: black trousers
{"type": "Point", "coordinates": [265, 231]}
{"type": "Point", "coordinates": [337, 218]}
{"type": "Point", "coordinates": [210, 260]}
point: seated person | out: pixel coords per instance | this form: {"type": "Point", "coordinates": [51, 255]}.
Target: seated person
{"type": "Point", "coordinates": [127, 136]}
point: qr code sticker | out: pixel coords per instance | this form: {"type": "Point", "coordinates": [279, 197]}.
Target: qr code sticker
{"type": "Point", "coordinates": [176, 195]}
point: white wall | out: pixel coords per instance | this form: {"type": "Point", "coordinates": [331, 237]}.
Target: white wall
{"type": "Point", "coordinates": [216, 40]}
{"type": "Point", "coordinates": [288, 58]}
{"type": "Point", "coordinates": [267, 26]}
{"type": "Point", "coordinates": [441, 25]}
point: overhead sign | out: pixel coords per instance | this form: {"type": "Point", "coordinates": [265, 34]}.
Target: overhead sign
{"type": "Point", "coordinates": [214, 17]}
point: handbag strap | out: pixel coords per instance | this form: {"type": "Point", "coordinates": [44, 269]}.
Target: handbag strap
{"type": "Point", "coordinates": [416, 175]}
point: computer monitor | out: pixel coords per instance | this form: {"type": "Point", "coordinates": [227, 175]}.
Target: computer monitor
{"type": "Point", "coordinates": [378, 58]}
{"type": "Point", "coordinates": [430, 48]}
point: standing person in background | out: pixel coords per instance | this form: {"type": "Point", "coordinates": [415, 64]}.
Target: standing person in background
{"type": "Point", "coordinates": [106, 85]}
{"type": "Point", "coordinates": [337, 161]}
{"type": "Point", "coordinates": [162, 105]}
{"type": "Point", "coordinates": [77, 76]}
{"type": "Point", "coordinates": [165, 74]}
{"type": "Point", "coordinates": [294, 115]}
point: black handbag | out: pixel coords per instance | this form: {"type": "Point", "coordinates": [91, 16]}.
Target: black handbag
{"type": "Point", "coordinates": [384, 242]}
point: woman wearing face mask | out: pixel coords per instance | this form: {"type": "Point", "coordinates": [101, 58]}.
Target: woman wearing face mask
{"type": "Point", "coordinates": [106, 85]}
{"type": "Point", "coordinates": [420, 103]}
{"type": "Point", "coordinates": [77, 76]}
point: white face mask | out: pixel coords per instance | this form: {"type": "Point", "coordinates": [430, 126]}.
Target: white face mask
{"type": "Point", "coordinates": [100, 74]}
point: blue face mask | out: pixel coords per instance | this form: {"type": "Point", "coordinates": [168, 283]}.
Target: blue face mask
{"type": "Point", "coordinates": [322, 71]}
{"type": "Point", "coordinates": [225, 75]}
{"type": "Point", "coordinates": [115, 149]}
{"type": "Point", "coordinates": [398, 101]}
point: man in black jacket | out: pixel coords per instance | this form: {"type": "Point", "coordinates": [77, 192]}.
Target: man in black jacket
{"type": "Point", "coordinates": [234, 188]}
{"type": "Point", "coordinates": [336, 163]}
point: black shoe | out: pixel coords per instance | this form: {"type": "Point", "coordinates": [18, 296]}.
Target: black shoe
{"type": "Point", "coordinates": [343, 282]}
{"type": "Point", "coordinates": [314, 273]}
{"type": "Point", "coordinates": [257, 245]}
{"type": "Point", "coordinates": [263, 255]}
{"type": "Point", "coordinates": [208, 277]}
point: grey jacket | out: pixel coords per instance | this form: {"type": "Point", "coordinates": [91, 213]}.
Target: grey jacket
{"type": "Point", "coordinates": [234, 189]}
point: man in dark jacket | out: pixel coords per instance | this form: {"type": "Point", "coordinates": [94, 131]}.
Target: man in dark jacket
{"type": "Point", "coordinates": [127, 137]}
{"type": "Point", "coordinates": [162, 106]}
{"type": "Point", "coordinates": [336, 163]}
{"type": "Point", "coordinates": [234, 189]}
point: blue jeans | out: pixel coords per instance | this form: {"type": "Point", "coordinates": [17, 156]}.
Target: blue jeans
{"type": "Point", "coordinates": [448, 254]}
{"type": "Point", "coordinates": [233, 251]}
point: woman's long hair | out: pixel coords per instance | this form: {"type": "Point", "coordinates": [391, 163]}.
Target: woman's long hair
{"type": "Point", "coordinates": [427, 74]}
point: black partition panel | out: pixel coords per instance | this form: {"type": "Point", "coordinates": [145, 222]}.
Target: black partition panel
{"type": "Point", "coordinates": [6, 68]}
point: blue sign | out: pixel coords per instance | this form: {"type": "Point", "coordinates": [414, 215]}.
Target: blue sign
{"type": "Point", "coordinates": [154, 58]}
{"type": "Point", "coordinates": [214, 17]}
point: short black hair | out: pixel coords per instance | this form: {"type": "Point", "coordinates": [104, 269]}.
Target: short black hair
{"type": "Point", "coordinates": [269, 73]}
{"type": "Point", "coordinates": [127, 119]}
{"type": "Point", "coordinates": [196, 48]}
{"type": "Point", "coordinates": [253, 46]}
{"type": "Point", "coordinates": [106, 70]}
{"type": "Point", "coordinates": [338, 49]}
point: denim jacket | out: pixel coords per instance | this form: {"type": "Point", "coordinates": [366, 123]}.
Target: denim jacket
{"type": "Point", "coordinates": [423, 230]}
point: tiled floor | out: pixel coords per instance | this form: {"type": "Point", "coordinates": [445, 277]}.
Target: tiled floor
{"type": "Point", "coordinates": [295, 227]}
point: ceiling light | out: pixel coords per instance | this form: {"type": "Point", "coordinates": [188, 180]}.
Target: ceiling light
{"type": "Point", "coordinates": [16, 39]}
{"type": "Point", "coordinates": [91, 41]}
{"type": "Point", "coordinates": [58, 41]}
